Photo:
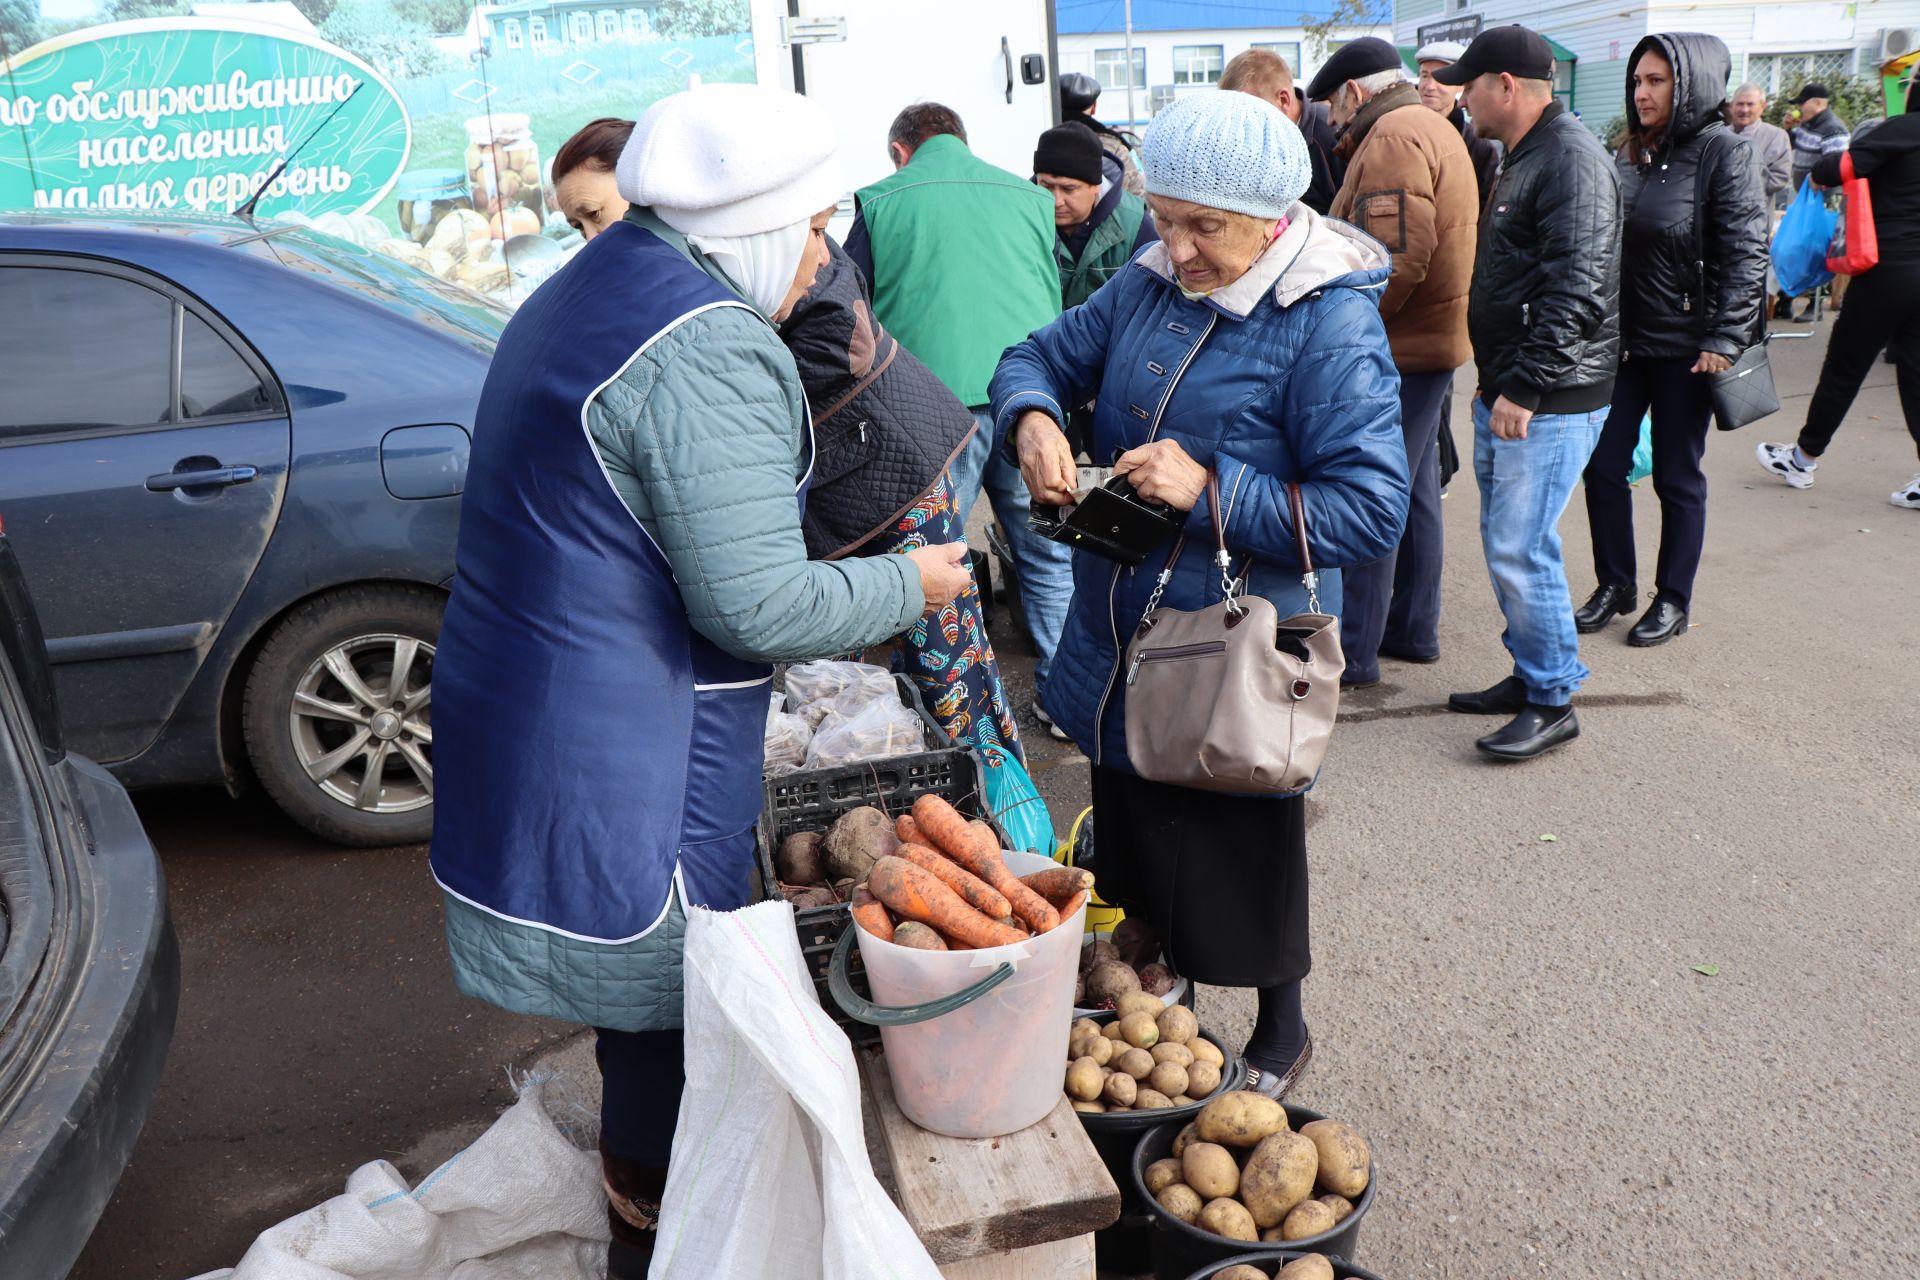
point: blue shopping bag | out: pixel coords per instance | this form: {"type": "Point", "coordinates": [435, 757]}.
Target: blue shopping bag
{"type": "Point", "coordinates": [1015, 802]}
{"type": "Point", "coordinates": [1642, 453]}
{"type": "Point", "coordinates": [1800, 245]}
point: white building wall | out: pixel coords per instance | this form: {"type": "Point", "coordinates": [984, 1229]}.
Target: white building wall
{"type": "Point", "coordinates": [1077, 50]}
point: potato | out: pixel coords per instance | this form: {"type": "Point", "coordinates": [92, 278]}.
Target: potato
{"type": "Point", "coordinates": [1178, 1024]}
{"type": "Point", "coordinates": [1166, 1051]}
{"type": "Point", "coordinates": [1138, 1002]}
{"type": "Point", "coordinates": [1088, 1108]}
{"type": "Point", "coordinates": [1091, 1044]}
{"type": "Point", "coordinates": [1121, 1089]}
{"type": "Point", "coordinates": [1184, 1139]}
{"type": "Point", "coordinates": [858, 839]}
{"type": "Point", "coordinates": [1202, 1079]}
{"type": "Point", "coordinates": [1112, 1030]}
{"type": "Point", "coordinates": [1084, 1080]}
{"type": "Point", "coordinates": [1240, 1272]}
{"type": "Point", "coordinates": [1137, 1063]}
{"type": "Point", "coordinates": [1148, 1099]}
{"type": "Point", "coordinates": [1278, 1176]}
{"type": "Point", "coordinates": [1139, 1030]}
{"type": "Point", "coordinates": [799, 860]}
{"type": "Point", "coordinates": [1241, 1119]}
{"type": "Point", "coordinates": [1205, 1050]}
{"type": "Point", "coordinates": [1308, 1218]}
{"type": "Point", "coordinates": [1161, 1174]}
{"type": "Point", "coordinates": [1346, 1161]}
{"type": "Point", "coordinates": [1210, 1170]}
{"type": "Point", "coordinates": [1084, 1024]}
{"type": "Point", "coordinates": [921, 937]}
{"type": "Point", "coordinates": [1109, 980]}
{"type": "Point", "coordinates": [1095, 953]}
{"type": "Point", "coordinates": [1184, 1100]}
{"type": "Point", "coordinates": [1312, 1266]}
{"type": "Point", "coordinates": [1271, 1236]}
{"type": "Point", "coordinates": [1228, 1218]}
{"type": "Point", "coordinates": [1180, 1200]}
{"type": "Point", "coordinates": [1169, 1078]}
{"type": "Point", "coordinates": [1341, 1206]}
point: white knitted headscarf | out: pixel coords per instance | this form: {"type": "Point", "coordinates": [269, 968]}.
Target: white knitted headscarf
{"type": "Point", "coordinates": [739, 169]}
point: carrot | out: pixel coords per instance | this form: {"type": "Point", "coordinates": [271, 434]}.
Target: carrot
{"type": "Point", "coordinates": [1057, 884]}
{"type": "Point", "coordinates": [1073, 904]}
{"type": "Point", "coordinates": [920, 895]}
{"type": "Point", "coordinates": [980, 854]}
{"type": "Point", "coordinates": [990, 902]}
{"type": "Point", "coordinates": [871, 915]}
{"type": "Point", "coordinates": [907, 830]}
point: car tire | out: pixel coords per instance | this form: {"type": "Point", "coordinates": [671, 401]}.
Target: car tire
{"type": "Point", "coordinates": [320, 713]}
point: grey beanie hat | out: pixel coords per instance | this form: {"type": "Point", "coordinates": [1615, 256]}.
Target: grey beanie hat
{"type": "Point", "coordinates": [1227, 150]}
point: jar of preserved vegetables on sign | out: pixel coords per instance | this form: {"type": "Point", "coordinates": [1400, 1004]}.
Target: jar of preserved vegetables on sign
{"type": "Point", "coordinates": [427, 196]}
{"type": "Point", "coordinates": [503, 166]}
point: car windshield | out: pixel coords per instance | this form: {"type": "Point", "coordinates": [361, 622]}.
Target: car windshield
{"type": "Point", "coordinates": [446, 308]}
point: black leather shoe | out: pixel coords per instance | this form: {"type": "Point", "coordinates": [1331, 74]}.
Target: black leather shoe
{"type": "Point", "coordinates": [1401, 655]}
{"type": "Point", "coordinates": [1602, 607]}
{"type": "Point", "coordinates": [1535, 730]}
{"type": "Point", "coordinates": [1504, 699]}
{"type": "Point", "coordinates": [1657, 625]}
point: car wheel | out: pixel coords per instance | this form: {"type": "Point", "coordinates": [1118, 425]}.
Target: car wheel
{"type": "Point", "coordinates": [338, 714]}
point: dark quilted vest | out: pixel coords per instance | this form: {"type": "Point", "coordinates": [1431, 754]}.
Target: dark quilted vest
{"type": "Point", "coordinates": [884, 427]}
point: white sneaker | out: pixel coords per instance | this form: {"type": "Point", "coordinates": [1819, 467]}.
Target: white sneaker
{"type": "Point", "coordinates": [1778, 460]}
{"type": "Point", "coordinates": [1046, 722]}
{"type": "Point", "coordinates": [1907, 495]}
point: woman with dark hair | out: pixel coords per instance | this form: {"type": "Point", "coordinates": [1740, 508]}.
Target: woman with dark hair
{"type": "Point", "coordinates": [1693, 270]}
{"type": "Point", "coordinates": [584, 190]}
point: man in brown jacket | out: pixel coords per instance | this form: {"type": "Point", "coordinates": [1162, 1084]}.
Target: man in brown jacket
{"type": "Point", "coordinates": [1410, 184]}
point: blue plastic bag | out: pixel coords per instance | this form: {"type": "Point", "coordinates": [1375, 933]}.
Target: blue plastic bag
{"type": "Point", "coordinates": [1642, 453]}
{"type": "Point", "coordinates": [1800, 245]}
{"type": "Point", "coordinates": [1015, 802]}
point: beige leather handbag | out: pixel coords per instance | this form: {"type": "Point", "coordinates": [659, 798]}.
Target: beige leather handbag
{"type": "Point", "coordinates": [1232, 697]}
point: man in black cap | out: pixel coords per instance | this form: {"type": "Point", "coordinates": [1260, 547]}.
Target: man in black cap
{"type": "Point", "coordinates": [1543, 315]}
{"type": "Point", "coordinates": [1079, 96]}
{"type": "Point", "coordinates": [1098, 225]}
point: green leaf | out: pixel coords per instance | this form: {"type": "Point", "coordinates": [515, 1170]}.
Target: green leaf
{"type": "Point", "coordinates": [1710, 970]}
{"type": "Point", "coordinates": [1549, 838]}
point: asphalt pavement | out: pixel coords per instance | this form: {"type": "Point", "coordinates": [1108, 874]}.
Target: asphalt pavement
{"type": "Point", "coordinates": [1646, 1006]}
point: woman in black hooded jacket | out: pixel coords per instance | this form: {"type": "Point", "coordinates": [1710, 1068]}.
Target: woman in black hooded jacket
{"type": "Point", "coordinates": [1692, 285]}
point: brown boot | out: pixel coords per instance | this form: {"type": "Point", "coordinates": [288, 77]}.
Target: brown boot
{"type": "Point", "coordinates": [634, 1193]}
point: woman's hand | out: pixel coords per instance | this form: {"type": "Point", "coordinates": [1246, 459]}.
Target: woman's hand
{"type": "Point", "coordinates": [945, 572]}
{"type": "Point", "coordinates": [1711, 362]}
{"type": "Point", "coordinates": [1046, 459]}
{"type": "Point", "coordinates": [1161, 470]}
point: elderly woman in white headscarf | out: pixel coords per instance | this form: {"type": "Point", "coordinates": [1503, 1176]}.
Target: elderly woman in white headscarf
{"type": "Point", "coordinates": [630, 564]}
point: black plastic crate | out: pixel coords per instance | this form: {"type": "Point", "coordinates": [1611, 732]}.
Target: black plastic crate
{"type": "Point", "coordinates": [811, 799]}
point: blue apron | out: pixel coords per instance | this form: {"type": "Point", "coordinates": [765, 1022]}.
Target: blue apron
{"type": "Point", "coordinates": [591, 750]}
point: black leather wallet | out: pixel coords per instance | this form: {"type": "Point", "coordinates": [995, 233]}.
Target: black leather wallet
{"type": "Point", "coordinates": [1111, 521]}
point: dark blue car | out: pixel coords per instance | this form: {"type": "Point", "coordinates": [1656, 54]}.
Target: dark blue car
{"type": "Point", "coordinates": [230, 464]}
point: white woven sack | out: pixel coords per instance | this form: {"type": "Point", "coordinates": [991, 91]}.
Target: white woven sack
{"type": "Point", "coordinates": [770, 1174]}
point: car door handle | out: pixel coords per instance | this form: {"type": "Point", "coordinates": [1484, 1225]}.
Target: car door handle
{"type": "Point", "coordinates": [214, 478]}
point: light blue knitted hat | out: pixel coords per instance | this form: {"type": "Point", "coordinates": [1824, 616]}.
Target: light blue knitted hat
{"type": "Point", "coordinates": [1227, 150]}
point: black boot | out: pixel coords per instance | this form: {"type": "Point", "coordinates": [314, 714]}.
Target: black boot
{"type": "Point", "coordinates": [1602, 607]}
{"type": "Point", "coordinates": [1536, 730]}
{"type": "Point", "coordinates": [1659, 624]}
{"type": "Point", "coordinates": [1503, 699]}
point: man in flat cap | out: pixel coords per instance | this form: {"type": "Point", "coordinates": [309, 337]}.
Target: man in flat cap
{"type": "Point", "coordinates": [1544, 319]}
{"type": "Point", "coordinates": [1410, 185]}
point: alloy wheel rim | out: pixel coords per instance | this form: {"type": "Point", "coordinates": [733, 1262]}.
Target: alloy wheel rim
{"type": "Point", "coordinates": [362, 723]}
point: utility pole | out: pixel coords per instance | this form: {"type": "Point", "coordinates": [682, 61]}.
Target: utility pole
{"type": "Point", "coordinates": [1132, 119]}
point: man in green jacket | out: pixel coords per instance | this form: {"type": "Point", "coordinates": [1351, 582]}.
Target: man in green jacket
{"type": "Point", "coordinates": [1098, 224]}
{"type": "Point", "coordinates": [960, 258]}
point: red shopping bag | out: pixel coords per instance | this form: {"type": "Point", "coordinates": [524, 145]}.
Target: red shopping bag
{"type": "Point", "coordinates": [1856, 246]}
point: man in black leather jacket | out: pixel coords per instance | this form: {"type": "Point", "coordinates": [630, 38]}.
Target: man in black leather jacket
{"type": "Point", "coordinates": [1543, 317]}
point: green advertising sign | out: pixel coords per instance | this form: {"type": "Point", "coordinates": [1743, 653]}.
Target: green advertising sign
{"type": "Point", "coordinates": [193, 114]}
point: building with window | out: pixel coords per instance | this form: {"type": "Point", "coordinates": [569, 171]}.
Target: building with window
{"type": "Point", "coordinates": [1777, 44]}
{"type": "Point", "coordinates": [539, 26]}
{"type": "Point", "coordinates": [1181, 46]}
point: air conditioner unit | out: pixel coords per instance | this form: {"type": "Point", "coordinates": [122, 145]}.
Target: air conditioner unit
{"type": "Point", "coordinates": [1897, 42]}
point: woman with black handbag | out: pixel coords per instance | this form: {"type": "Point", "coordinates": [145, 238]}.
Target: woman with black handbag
{"type": "Point", "coordinates": [1692, 292]}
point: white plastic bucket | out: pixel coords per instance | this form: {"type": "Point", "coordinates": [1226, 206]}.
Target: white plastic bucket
{"type": "Point", "coordinates": [991, 1067]}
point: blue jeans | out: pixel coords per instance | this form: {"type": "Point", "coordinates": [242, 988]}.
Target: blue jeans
{"type": "Point", "coordinates": [1045, 567]}
{"type": "Point", "coordinates": [1394, 602]}
{"type": "Point", "coordinates": [1524, 489]}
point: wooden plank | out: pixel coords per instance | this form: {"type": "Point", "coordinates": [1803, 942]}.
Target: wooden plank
{"type": "Point", "coordinates": [966, 1198]}
{"type": "Point", "coordinates": [1061, 1260]}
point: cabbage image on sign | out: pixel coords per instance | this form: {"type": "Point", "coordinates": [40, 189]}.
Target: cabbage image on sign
{"type": "Point", "coordinates": [192, 114]}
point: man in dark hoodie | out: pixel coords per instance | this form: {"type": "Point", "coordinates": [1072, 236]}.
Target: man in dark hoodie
{"type": "Point", "coordinates": [1098, 224]}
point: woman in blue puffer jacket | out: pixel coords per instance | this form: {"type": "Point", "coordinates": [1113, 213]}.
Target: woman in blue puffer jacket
{"type": "Point", "coordinates": [1247, 345]}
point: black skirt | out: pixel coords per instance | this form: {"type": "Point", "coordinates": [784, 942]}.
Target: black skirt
{"type": "Point", "coordinates": [1222, 879]}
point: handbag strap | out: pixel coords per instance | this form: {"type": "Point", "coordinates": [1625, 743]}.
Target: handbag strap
{"type": "Point", "coordinates": [1231, 583]}
{"type": "Point", "coordinates": [1307, 574]}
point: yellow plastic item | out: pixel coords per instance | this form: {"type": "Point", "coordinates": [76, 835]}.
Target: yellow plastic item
{"type": "Point", "coordinates": [1101, 917]}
